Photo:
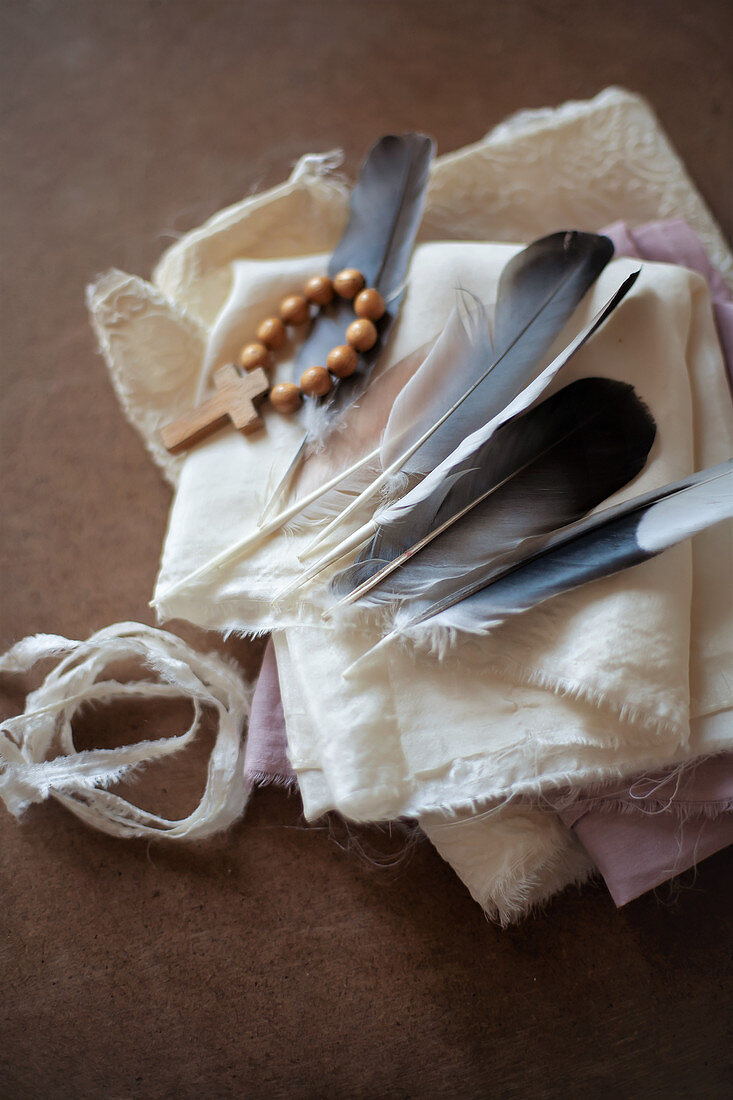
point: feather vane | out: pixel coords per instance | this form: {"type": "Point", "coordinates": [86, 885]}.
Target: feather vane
{"type": "Point", "coordinates": [537, 472]}
{"type": "Point", "coordinates": [601, 545]}
{"type": "Point", "coordinates": [538, 291]}
{"type": "Point", "coordinates": [478, 463]}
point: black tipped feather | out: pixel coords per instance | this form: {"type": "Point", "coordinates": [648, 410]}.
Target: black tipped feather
{"type": "Point", "coordinates": [538, 291]}
{"type": "Point", "coordinates": [597, 547]}
{"type": "Point", "coordinates": [536, 473]}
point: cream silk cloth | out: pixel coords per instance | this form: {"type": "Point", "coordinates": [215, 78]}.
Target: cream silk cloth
{"type": "Point", "coordinates": [593, 687]}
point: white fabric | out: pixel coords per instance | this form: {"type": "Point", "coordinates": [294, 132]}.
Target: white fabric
{"type": "Point", "coordinates": [38, 758]}
{"type": "Point", "coordinates": [512, 861]}
{"type": "Point", "coordinates": [514, 857]}
{"type": "Point", "coordinates": [224, 482]}
{"type": "Point", "coordinates": [408, 735]}
{"type": "Point", "coordinates": [583, 165]}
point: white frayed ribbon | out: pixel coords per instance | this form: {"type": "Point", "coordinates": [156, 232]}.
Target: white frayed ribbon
{"type": "Point", "coordinates": [76, 779]}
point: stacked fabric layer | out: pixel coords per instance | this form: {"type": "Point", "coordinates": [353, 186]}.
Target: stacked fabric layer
{"type": "Point", "coordinates": [623, 678]}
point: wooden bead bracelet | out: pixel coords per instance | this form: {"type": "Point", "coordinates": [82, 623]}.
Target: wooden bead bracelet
{"type": "Point", "coordinates": [342, 361]}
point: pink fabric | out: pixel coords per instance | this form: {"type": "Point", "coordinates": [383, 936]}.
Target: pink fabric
{"type": "Point", "coordinates": [639, 835]}
{"type": "Point", "coordinates": [266, 758]}
{"type": "Point", "coordinates": [651, 830]}
{"type": "Point", "coordinates": [673, 242]}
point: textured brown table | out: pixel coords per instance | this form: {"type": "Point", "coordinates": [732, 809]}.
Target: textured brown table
{"type": "Point", "coordinates": [272, 962]}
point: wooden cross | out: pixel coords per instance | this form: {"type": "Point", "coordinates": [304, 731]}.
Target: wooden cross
{"type": "Point", "coordinates": [234, 400]}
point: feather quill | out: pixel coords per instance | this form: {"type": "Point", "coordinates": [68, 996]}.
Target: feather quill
{"type": "Point", "coordinates": [599, 546]}
{"type": "Point", "coordinates": [330, 503]}
{"type": "Point", "coordinates": [538, 291]}
{"type": "Point", "coordinates": [385, 211]}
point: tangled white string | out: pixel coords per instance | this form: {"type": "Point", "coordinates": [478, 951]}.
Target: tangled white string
{"type": "Point", "coordinates": [77, 779]}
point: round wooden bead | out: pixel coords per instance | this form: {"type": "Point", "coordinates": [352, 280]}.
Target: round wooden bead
{"type": "Point", "coordinates": [342, 361]}
{"type": "Point", "coordinates": [369, 304]}
{"type": "Point", "coordinates": [253, 356]}
{"type": "Point", "coordinates": [361, 334]}
{"type": "Point", "coordinates": [315, 382]}
{"type": "Point", "coordinates": [272, 333]}
{"type": "Point", "coordinates": [319, 290]}
{"type": "Point", "coordinates": [294, 309]}
{"type": "Point", "coordinates": [285, 397]}
{"type": "Point", "coordinates": [348, 282]}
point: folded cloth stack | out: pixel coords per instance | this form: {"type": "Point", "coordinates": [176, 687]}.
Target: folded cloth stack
{"type": "Point", "coordinates": [606, 684]}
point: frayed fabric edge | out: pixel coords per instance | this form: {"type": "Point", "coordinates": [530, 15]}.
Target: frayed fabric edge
{"type": "Point", "coordinates": [506, 667]}
{"type": "Point", "coordinates": [627, 713]}
{"type": "Point", "coordinates": [260, 779]}
{"type": "Point", "coordinates": [531, 793]}
{"type": "Point", "coordinates": [508, 893]}
{"type": "Point", "coordinates": [514, 899]}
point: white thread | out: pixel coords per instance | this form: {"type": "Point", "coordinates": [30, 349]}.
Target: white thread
{"type": "Point", "coordinates": [76, 778]}
{"type": "Point", "coordinates": [317, 165]}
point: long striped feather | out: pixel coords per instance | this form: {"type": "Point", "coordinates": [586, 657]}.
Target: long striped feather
{"type": "Point", "coordinates": [603, 544]}
{"type": "Point", "coordinates": [537, 473]}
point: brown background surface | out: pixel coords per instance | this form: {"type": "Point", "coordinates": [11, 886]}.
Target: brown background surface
{"type": "Point", "coordinates": [273, 962]}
